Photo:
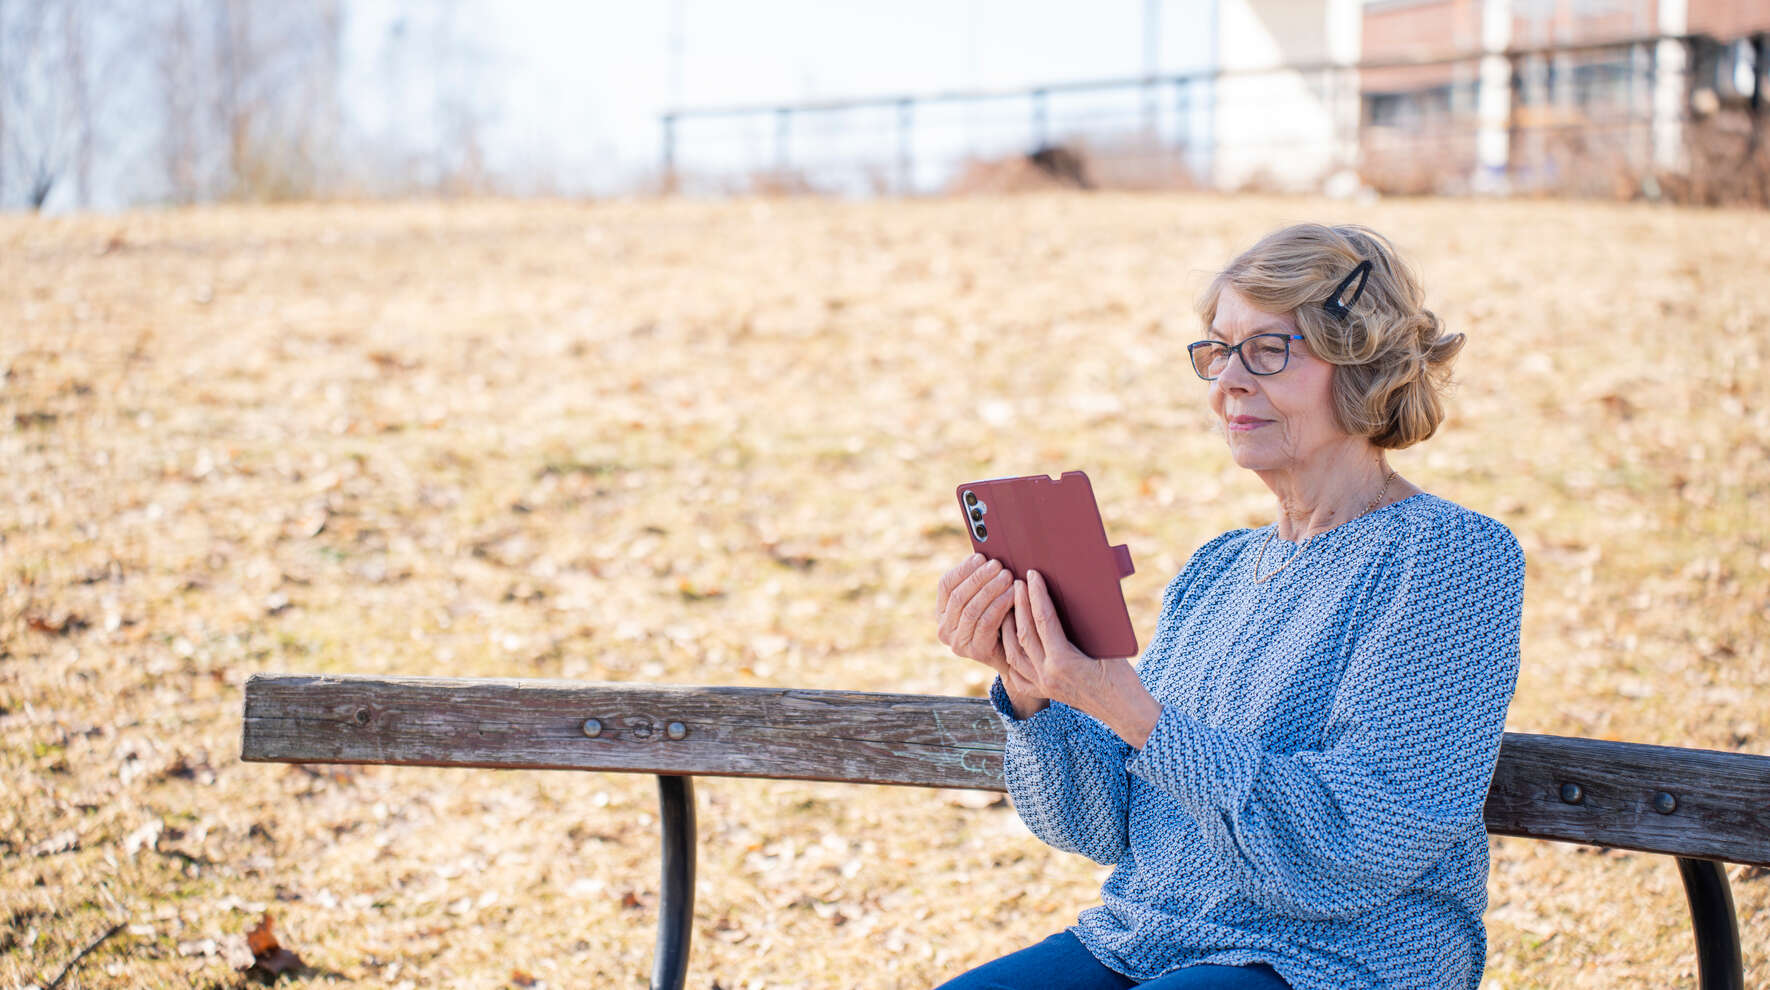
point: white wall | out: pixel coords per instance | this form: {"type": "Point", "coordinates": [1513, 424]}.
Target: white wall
{"type": "Point", "coordinates": [1291, 128]}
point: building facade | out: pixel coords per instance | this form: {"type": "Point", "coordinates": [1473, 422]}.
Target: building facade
{"type": "Point", "coordinates": [1515, 95]}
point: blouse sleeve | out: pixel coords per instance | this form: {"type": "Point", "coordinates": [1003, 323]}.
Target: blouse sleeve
{"type": "Point", "coordinates": [1066, 774]}
{"type": "Point", "coordinates": [1066, 770]}
{"type": "Point", "coordinates": [1408, 750]}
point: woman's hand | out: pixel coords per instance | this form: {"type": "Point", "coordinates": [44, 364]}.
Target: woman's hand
{"type": "Point", "coordinates": [972, 600]}
{"type": "Point", "coordinates": [1041, 655]}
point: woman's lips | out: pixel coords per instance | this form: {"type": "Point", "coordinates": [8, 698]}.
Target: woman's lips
{"type": "Point", "coordinates": [1243, 423]}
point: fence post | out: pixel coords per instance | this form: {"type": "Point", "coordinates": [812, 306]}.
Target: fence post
{"type": "Point", "coordinates": [1671, 89]}
{"type": "Point", "coordinates": [1641, 110]}
{"type": "Point", "coordinates": [906, 123]}
{"type": "Point", "coordinates": [669, 149]}
{"type": "Point", "coordinates": [783, 118]}
{"type": "Point", "coordinates": [1039, 123]}
{"type": "Point", "coordinates": [1183, 110]}
{"type": "Point", "coordinates": [1495, 100]}
{"type": "Point", "coordinates": [1760, 61]}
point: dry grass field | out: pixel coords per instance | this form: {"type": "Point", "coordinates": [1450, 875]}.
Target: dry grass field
{"type": "Point", "coordinates": [715, 443]}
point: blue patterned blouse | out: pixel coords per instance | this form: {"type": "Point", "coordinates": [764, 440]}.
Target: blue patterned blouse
{"type": "Point", "coordinates": [1311, 796]}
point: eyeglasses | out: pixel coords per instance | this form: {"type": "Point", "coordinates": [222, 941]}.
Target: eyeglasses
{"type": "Point", "coordinates": [1261, 354]}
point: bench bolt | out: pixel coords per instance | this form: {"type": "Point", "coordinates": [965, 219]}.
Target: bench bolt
{"type": "Point", "coordinates": [592, 727]}
{"type": "Point", "coordinates": [362, 716]}
{"type": "Point", "coordinates": [1571, 793]}
{"type": "Point", "coordinates": [1664, 803]}
{"type": "Point", "coordinates": [676, 730]}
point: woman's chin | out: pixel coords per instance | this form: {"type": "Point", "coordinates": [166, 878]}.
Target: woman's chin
{"type": "Point", "coordinates": [1252, 458]}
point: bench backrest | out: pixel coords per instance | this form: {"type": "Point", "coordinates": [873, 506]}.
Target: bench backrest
{"type": "Point", "coordinates": [1700, 804]}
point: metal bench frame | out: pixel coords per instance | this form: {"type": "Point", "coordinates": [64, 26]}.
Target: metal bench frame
{"type": "Point", "coordinates": [1705, 808]}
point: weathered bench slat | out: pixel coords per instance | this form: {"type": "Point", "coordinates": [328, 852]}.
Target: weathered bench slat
{"type": "Point", "coordinates": [537, 724]}
{"type": "Point", "coordinates": [1720, 802]}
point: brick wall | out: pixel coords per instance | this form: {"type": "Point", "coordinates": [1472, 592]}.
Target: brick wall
{"type": "Point", "coordinates": [1402, 29]}
{"type": "Point", "coordinates": [1571, 22]}
{"type": "Point", "coordinates": [1729, 19]}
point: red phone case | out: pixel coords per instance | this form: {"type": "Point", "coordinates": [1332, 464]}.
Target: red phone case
{"type": "Point", "coordinates": [1052, 525]}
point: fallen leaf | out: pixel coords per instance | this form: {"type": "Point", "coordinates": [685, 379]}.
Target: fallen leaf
{"type": "Point", "coordinates": [269, 959]}
{"type": "Point", "coordinates": [690, 591]}
{"type": "Point", "coordinates": [68, 623]}
{"type": "Point", "coordinates": [262, 940]}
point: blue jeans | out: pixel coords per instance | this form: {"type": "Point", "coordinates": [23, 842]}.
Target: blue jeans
{"type": "Point", "coordinates": [1061, 962]}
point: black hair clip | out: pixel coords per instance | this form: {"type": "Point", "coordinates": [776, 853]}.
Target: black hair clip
{"type": "Point", "coordinates": [1340, 309]}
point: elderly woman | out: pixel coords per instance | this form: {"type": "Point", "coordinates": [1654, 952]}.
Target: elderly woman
{"type": "Point", "coordinates": [1289, 786]}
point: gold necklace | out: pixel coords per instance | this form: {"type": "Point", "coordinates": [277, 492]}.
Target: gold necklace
{"type": "Point", "coordinates": [1262, 554]}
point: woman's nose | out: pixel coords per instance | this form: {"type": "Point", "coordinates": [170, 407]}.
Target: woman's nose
{"type": "Point", "coordinates": [1235, 376]}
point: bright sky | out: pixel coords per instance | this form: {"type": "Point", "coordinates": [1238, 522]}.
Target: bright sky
{"type": "Point", "coordinates": [576, 87]}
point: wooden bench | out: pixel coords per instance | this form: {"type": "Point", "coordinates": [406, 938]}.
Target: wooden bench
{"type": "Point", "coordinates": [1703, 807]}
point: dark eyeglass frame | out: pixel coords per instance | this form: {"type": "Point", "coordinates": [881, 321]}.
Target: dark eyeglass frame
{"type": "Point", "coordinates": [1234, 351]}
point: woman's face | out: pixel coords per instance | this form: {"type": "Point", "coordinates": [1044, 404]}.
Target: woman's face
{"type": "Point", "coordinates": [1273, 422]}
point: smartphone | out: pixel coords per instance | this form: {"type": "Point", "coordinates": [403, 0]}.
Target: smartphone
{"type": "Point", "coordinates": [1052, 525]}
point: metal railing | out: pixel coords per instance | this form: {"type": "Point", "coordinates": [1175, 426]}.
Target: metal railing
{"type": "Point", "coordinates": [1525, 118]}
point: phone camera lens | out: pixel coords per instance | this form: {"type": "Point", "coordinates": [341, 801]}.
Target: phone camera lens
{"type": "Point", "coordinates": [970, 498]}
{"type": "Point", "coordinates": [977, 514]}
{"type": "Point", "coordinates": [982, 532]}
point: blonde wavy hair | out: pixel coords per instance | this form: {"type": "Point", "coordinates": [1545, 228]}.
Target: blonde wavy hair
{"type": "Point", "coordinates": [1391, 355]}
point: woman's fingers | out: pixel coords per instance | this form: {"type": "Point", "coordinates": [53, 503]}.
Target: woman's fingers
{"type": "Point", "coordinates": [981, 638]}
{"type": "Point", "coordinates": [1026, 623]}
{"type": "Point", "coordinates": [984, 595]}
{"type": "Point", "coordinates": [1011, 647]}
{"type": "Point", "coordinates": [1000, 609]}
{"type": "Point", "coordinates": [964, 596]}
{"type": "Point", "coordinates": [1044, 611]}
{"type": "Point", "coordinates": [951, 580]}
{"type": "Point", "coordinates": [1020, 673]}
{"type": "Point", "coordinates": [975, 621]}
